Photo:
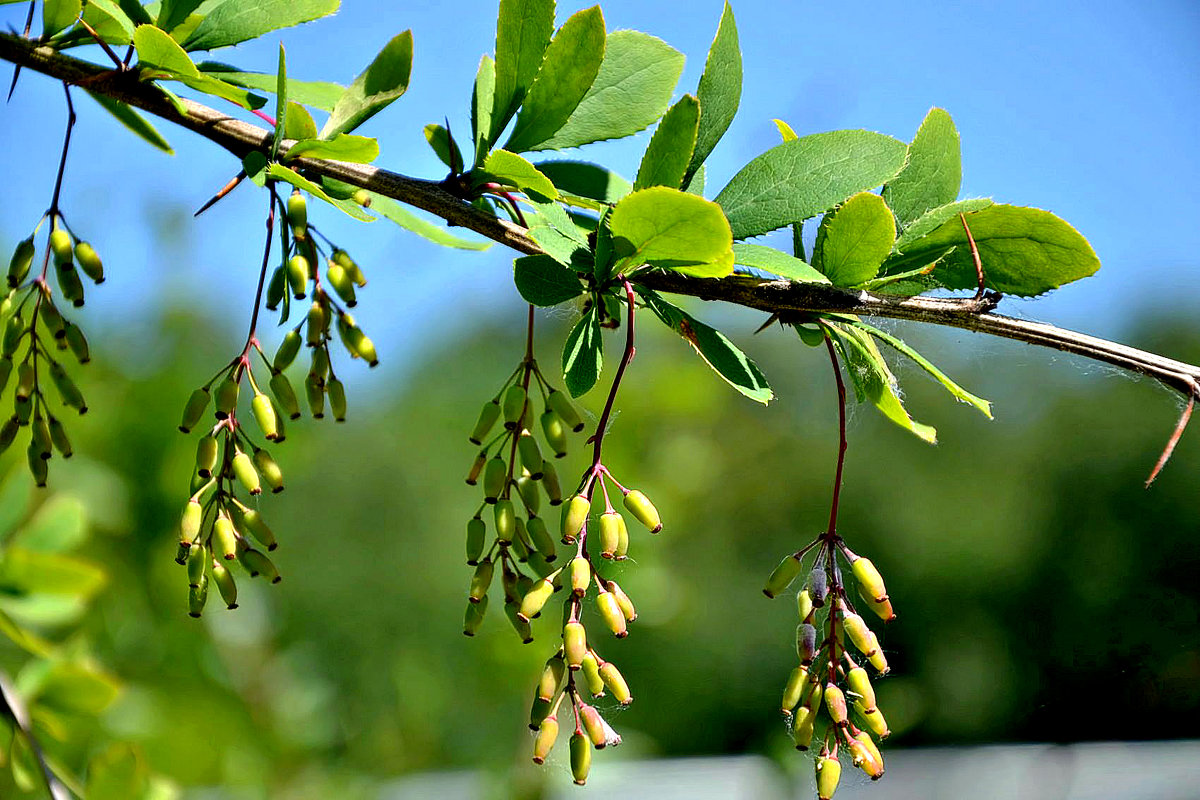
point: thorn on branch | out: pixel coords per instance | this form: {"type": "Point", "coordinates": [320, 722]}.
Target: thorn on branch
{"type": "Point", "coordinates": [226, 189]}
{"type": "Point", "coordinates": [1180, 426]}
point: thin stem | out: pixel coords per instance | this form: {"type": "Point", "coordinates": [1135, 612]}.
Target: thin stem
{"type": "Point", "coordinates": [626, 357]}
{"type": "Point", "coordinates": [841, 459]}
{"type": "Point", "coordinates": [262, 279]}
{"type": "Point", "coordinates": [62, 161]}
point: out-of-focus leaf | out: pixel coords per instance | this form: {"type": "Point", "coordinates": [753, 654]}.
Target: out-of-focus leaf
{"type": "Point", "coordinates": [117, 773]}
{"type": "Point", "coordinates": [59, 525]}
{"type": "Point", "coordinates": [134, 121]}
{"type": "Point", "coordinates": [74, 687]}
{"type": "Point", "coordinates": [586, 180]}
{"type": "Point", "coordinates": [24, 571]}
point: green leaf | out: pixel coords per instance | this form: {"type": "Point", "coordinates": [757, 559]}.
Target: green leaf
{"type": "Point", "coordinates": [482, 96]}
{"type": "Point", "coordinates": [300, 123]}
{"type": "Point", "coordinates": [131, 119]}
{"type": "Point", "coordinates": [511, 169]}
{"type": "Point", "coordinates": [857, 238]}
{"type": "Point", "coordinates": [873, 380]}
{"type": "Point", "coordinates": [76, 688]}
{"type": "Point", "coordinates": [666, 158]}
{"type": "Point", "coordinates": [960, 393]}
{"type": "Point", "coordinates": [632, 89]}
{"type": "Point", "coordinates": [172, 13]}
{"type": "Point", "coordinates": [381, 83]}
{"type": "Point", "coordinates": [544, 282]}
{"type": "Point", "coordinates": [443, 146]}
{"type": "Point", "coordinates": [523, 30]}
{"type": "Point", "coordinates": [59, 525]}
{"type": "Point", "coordinates": [720, 90]}
{"type": "Point", "coordinates": [59, 14]}
{"type": "Point", "coordinates": [236, 21]}
{"type": "Point", "coordinates": [585, 180]}
{"type": "Point", "coordinates": [807, 176]}
{"type": "Point", "coordinates": [318, 94]}
{"type": "Point", "coordinates": [734, 366]}
{"type": "Point", "coordinates": [288, 175]}
{"type": "Point", "coordinates": [343, 147]}
{"type": "Point", "coordinates": [109, 21]}
{"type": "Point", "coordinates": [671, 229]}
{"type": "Point", "coordinates": [776, 262]}
{"type": "Point", "coordinates": [136, 12]}
{"type": "Point", "coordinates": [561, 239]}
{"type": "Point", "coordinates": [1025, 251]}
{"type": "Point", "coordinates": [933, 174]}
{"type": "Point", "coordinates": [392, 210]}
{"type": "Point", "coordinates": [935, 217]}
{"type": "Point", "coordinates": [118, 773]}
{"type": "Point", "coordinates": [25, 571]}
{"type": "Point", "coordinates": [569, 67]}
{"type": "Point", "coordinates": [27, 640]}
{"type": "Point", "coordinates": [281, 103]}
{"type": "Point", "coordinates": [583, 354]}
{"type": "Point", "coordinates": [255, 166]}
{"type": "Point", "coordinates": [161, 58]}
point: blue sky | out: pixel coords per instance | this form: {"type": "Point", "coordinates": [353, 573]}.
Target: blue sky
{"type": "Point", "coordinates": [1088, 110]}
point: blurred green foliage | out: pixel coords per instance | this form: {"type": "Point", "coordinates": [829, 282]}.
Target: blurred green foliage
{"type": "Point", "coordinates": [1042, 593]}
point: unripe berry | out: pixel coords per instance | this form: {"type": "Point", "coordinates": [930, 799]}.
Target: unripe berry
{"type": "Point", "coordinates": [337, 399]}
{"type": "Point", "coordinates": [297, 214]}
{"type": "Point", "coordinates": [481, 580]}
{"type": "Point", "coordinates": [581, 575]}
{"type": "Point", "coordinates": [866, 755]}
{"type": "Point", "coordinates": [352, 269]}
{"type": "Point", "coordinates": [58, 436]}
{"type": "Point", "coordinates": [514, 405]}
{"type": "Point", "coordinates": [859, 634]}
{"type": "Point", "coordinates": [623, 601]}
{"type": "Point", "coordinates": [521, 626]}
{"type": "Point", "coordinates": [69, 283]}
{"type": "Point", "coordinates": [276, 288]}
{"type": "Point", "coordinates": [227, 396]}
{"type": "Point", "coordinates": [877, 659]}
{"type": "Point", "coordinates": [591, 674]}
{"type": "Point", "coordinates": [539, 710]}
{"type": "Point", "coordinates": [641, 507]}
{"type": "Point", "coordinates": [197, 597]}
{"type": "Point", "coordinates": [555, 431]}
{"type": "Point", "coordinates": [540, 538]}
{"type": "Point", "coordinates": [8, 432]}
{"type": "Point", "coordinates": [506, 522]}
{"type": "Point", "coordinates": [60, 246]}
{"type": "Point", "coordinates": [189, 524]}
{"type": "Point", "coordinates": [860, 684]}
{"type": "Point", "coordinates": [610, 533]}
{"type": "Point", "coordinates": [806, 643]}
{"type": "Point", "coordinates": [13, 332]}
{"type": "Point", "coordinates": [473, 617]}
{"type": "Point", "coordinates": [882, 608]}
{"type": "Point", "coordinates": [581, 758]}
{"type": "Point", "coordinates": [802, 727]}
{"type": "Point", "coordinates": [610, 612]}
{"type": "Point", "coordinates": [89, 262]}
{"type": "Point", "coordinates": [873, 721]}
{"type": "Point", "coordinates": [557, 401]}
{"type": "Point", "coordinates": [225, 584]}
{"type": "Point", "coordinates": [281, 387]}
{"type": "Point", "coordinates": [197, 558]}
{"type": "Point", "coordinates": [782, 576]}
{"type": "Point", "coordinates": [22, 258]}
{"type": "Point", "coordinates": [315, 324]}
{"type": "Point", "coordinates": [194, 409]}
{"type": "Point", "coordinates": [804, 604]}
{"type": "Point", "coordinates": [574, 644]}
{"type": "Point", "coordinates": [487, 418]}
{"type": "Point", "coordinates": [530, 495]}
{"type": "Point", "coordinates": [53, 320]}
{"type": "Point", "coordinates": [268, 469]}
{"type": "Point", "coordinates": [829, 773]}
{"type": "Point", "coordinates": [615, 682]}
{"type": "Point", "coordinates": [869, 579]}
{"type": "Point", "coordinates": [835, 703]}
{"type": "Point", "coordinates": [341, 283]}
{"type": "Point", "coordinates": [314, 390]}
{"type": "Point", "coordinates": [247, 475]}
{"type": "Point", "coordinates": [550, 484]}
{"type": "Point", "coordinates": [531, 455]}
{"type": "Point", "coordinates": [251, 521]}
{"type": "Point", "coordinates": [533, 602]}
{"type": "Point", "coordinates": [258, 564]}
{"type": "Point", "coordinates": [206, 455]}
{"type": "Point", "coordinates": [70, 393]}
{"type": "Point", "coordinates": [297, 276]}
{"type": "Point", "coordinates": [224, 536]}
{"type": "Point", "coordinates": [574, 517]}
{"type": "Point", "coordinates": [476, 530]}
{"type": "Point", "coordinates": [288, 349]}
{"type": "Point", "coordinates": [40, 437]}
{"type": "Point", "coordinates": [796, 684]}
{"type": "Point", "coordinates": [554, 678]}
{"type": "Point", "coordinates": [494, 477]}
{"type": "Point", "coordinates": [543, 743]}
{"type": "Point", "coordinates": [361, 345]}
{"type": "Point", "coordinates": [264, 415]}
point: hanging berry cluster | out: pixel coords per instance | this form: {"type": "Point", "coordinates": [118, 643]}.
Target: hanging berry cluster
{"type": "Point", "coordinates": [217, 526]}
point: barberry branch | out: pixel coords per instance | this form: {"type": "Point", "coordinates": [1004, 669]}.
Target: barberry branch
{"type": "Point", "coordinates": [772, 296]}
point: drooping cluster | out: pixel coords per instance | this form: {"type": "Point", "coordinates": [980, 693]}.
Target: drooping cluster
{"type": "Point", "coordinates": [30, 318]}
{"type": "Point", "coordinates": [515, 475]}
{"type": "Point", "coordinates": [217, 526]}
{"type": "Point", "coordinates": [832, 677]}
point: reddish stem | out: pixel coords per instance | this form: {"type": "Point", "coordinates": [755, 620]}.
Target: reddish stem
{"type": "Point", "coordinates": [841, 460]}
